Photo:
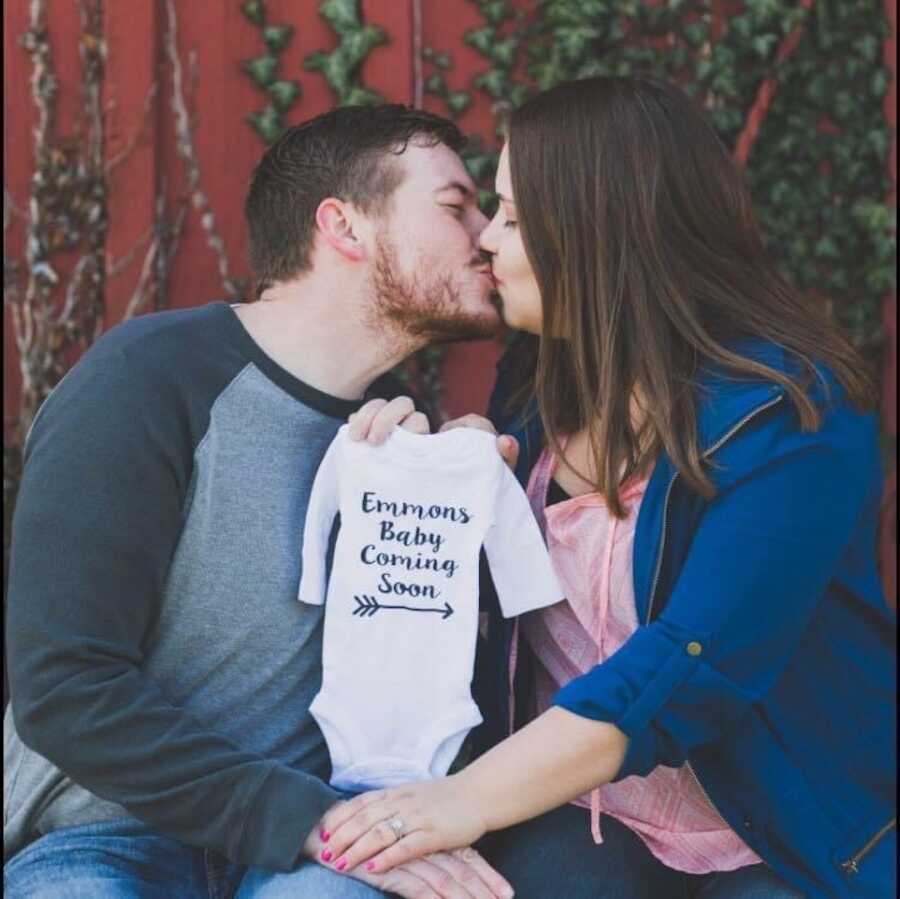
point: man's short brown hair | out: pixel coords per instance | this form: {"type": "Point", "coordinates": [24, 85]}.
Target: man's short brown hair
{"type": "Point", "coordinates": [348, 153]}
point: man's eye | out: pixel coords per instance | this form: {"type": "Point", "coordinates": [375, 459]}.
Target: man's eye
{"type": "Point", "coordinates": [453, 206]}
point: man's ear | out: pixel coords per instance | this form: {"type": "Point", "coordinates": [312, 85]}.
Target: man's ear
{"type": "Point", "coordinates": [334, 219]}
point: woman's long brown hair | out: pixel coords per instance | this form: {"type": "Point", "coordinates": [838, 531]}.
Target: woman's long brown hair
{"type": "Point", "coordinates": [650, 264]}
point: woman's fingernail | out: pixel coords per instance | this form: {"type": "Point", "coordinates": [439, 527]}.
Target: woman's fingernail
{"type": "Point", "coordinates": [324, 835]}
{"type": "Point", "coordinates": [341, 864]}
{"type": "Point", "coordinates": [370, 866]}
{"type": "Point", "coordinates": [326, 855]}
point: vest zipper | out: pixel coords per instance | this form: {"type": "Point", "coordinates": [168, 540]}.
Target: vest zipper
{"type": "Point", "coordinates": [851, 866]}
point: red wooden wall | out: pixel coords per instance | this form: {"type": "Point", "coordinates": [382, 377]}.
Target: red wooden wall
{"type": "Point", "coordinates": [227, 148]}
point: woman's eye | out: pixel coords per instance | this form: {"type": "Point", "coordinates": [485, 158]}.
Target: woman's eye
{"type": "Point", "coordinates": [509, 223]}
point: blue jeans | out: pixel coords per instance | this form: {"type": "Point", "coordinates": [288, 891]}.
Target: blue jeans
{"type": "Point", "coordinates": [125, 859]}
{"type": "Point", "coordinates": [555, 855]}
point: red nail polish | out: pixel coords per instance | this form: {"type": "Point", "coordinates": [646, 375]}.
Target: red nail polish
{"type": "Point", "coordinates": [324, 835]}
{"type": "Point", "coordinates": [341, 864]}
{"type": "Point", "coordinates": [326, 855]}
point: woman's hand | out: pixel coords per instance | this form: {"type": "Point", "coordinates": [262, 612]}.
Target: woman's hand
{"type": "Point", "coordinates": [376, 419]}
{"type": "Point", "coordinates": [461, 874]}
{"type": "Point", "coordinates": [507, 446]}
{"type": "Point", "coordinates": [386, 828]}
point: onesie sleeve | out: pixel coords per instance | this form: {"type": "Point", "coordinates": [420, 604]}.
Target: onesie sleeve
{"type": "Point", "coordinates": [519, 562]}
{"type": "Point", "coordinates": [323, 506]}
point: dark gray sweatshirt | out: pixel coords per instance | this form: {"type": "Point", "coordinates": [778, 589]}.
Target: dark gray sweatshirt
{"type": "Point", "coordinates": [160, 665]}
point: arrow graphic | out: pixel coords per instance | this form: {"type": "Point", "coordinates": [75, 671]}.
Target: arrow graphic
{"type": "Point", "coordinates": [367, 606]}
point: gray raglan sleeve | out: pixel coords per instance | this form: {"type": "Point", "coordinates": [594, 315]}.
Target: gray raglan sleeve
{"type": "Point", "coordinates": [98, 516]}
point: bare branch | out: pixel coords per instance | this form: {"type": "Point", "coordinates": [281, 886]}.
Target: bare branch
{"type": "Point", "coordinates": [184, 135]}
{"type": "Point", "coordinates": [139, 297]}
{"type": "Point", "coordinates": [116, 268]}
{"type": "Point", "coordinates": [140, 132]}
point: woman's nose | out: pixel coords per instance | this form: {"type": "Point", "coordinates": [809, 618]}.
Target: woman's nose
{"type": "Point", "coordinates": [486, 240]}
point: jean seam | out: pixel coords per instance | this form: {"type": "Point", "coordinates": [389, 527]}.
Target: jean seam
{"type": "Point", "coordinates": [8, 795]}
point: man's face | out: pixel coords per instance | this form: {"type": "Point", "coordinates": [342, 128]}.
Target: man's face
{"type": "Point", "coordinates": [429, 277]}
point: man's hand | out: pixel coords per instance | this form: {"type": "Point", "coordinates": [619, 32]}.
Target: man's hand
{"type": "Point", "coordinates": [377, 418]}
{"type": "Point", "coordinates": [462, 874]}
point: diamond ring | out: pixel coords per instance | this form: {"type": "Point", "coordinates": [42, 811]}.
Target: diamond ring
{"type": "Point", "coordinates": [396, 824]}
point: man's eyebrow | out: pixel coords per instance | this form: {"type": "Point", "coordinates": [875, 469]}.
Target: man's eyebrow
{"type": "Point", "coordinates": [455, 185]}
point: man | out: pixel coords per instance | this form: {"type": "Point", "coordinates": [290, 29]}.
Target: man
{"type": "Point", "coordinates": [159, 740]}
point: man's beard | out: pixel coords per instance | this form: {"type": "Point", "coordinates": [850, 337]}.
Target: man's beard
{"type": "Point", "coordinates": [424, 308]}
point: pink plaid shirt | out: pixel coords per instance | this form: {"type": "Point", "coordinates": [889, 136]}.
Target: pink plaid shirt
{"type": "Point", "coordinates": [592, 553]}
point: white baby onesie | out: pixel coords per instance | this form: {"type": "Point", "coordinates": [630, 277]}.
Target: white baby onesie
{"type": "Point", "coordinates": [401, 619]}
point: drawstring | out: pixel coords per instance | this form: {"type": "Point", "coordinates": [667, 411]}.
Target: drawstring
{"type": "Point", "coordinates": [605, 579]}
{"type": "Point", "coordinates": [629, 492]}
{"type": "Point", "coordinates": [537, 493]}
{"type": "Point", "coordinates": [544, 471]}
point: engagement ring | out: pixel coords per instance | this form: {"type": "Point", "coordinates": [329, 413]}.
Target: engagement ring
{"type": "Point", "coordinates": [396, 824]}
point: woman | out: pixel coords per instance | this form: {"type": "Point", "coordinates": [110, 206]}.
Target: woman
{"type": "Point", "coordinates": [714, 695]}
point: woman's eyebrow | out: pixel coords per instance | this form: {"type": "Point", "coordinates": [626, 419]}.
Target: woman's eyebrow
{"type": "Point", "coordinates": [506, 199]}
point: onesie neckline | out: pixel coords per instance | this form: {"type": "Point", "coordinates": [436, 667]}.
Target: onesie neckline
{"type": "Point", "coordinates": [463, 443]}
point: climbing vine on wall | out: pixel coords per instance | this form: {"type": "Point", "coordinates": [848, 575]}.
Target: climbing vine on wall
{"type": "Point", "coordinates": [341, 66]}
{"type": "Point", "coordinates": [264, 71]}
{"type": "Point", "coordinates": [56, 295]}
{"type": "Point", "coordinates": [816, 154]}
{"type": "Point", "coordinates": [456, 101]}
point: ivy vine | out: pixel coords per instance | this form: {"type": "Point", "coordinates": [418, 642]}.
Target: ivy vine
{"type": "Point", "coordinates": [818, 169]}
{"type": "Point", "coordinates": [263, 70]}
{"type": "Point", "coordinates": [818, 166]}
{"type": "Point", "coordinates": [456, 101]}
{"type": "Point", "coordinates": [341, 67]}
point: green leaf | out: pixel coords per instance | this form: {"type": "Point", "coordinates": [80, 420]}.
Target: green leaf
{"type": "Point", "coordinates": [342, 15]}
{"type": "Point", "coordinates": [362, 96]}
{"type": "Point", "coordinates": [879, 83]}
{"type": "Point", "coordinates": [494, 83]}
{"type": "Point", "coordinates": [254, 11]}
{"type": "Point", "coordinates": [480, 166]}
{"type": "Point", "coordinates": [435, 84]}
{"type": "Point", "coordinates": [459, 102]}
{"type": "Point", "coordinates": [827, 249]}
{"type": "Point", "coordinates": [504, 52]}
{"type": "Point", "coordinates": [482, 39]}
{"type": "Point", "coordinates": [284, 94]}
{"type": "Point", "coordinates": [277, 37]}
{"type": "Point", "coordinates": [267, 123]}
{"type": "Point", "coordinates": [764, 44]}
{"type": "Point", "coordinates": [695, 33]}
{"type": "Point", "coordinates": [496, 11]}
{"type": "Point", "coordinates": [868, 46]}
{"type": "Point", "coordinates": [262, 69]}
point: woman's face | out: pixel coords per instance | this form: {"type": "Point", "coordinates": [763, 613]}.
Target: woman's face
{"type": "Point", "coordinates": [516, 284]}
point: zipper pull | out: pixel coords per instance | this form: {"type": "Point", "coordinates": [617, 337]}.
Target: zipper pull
{"type": "Point", "coordinates": [850, 867]}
